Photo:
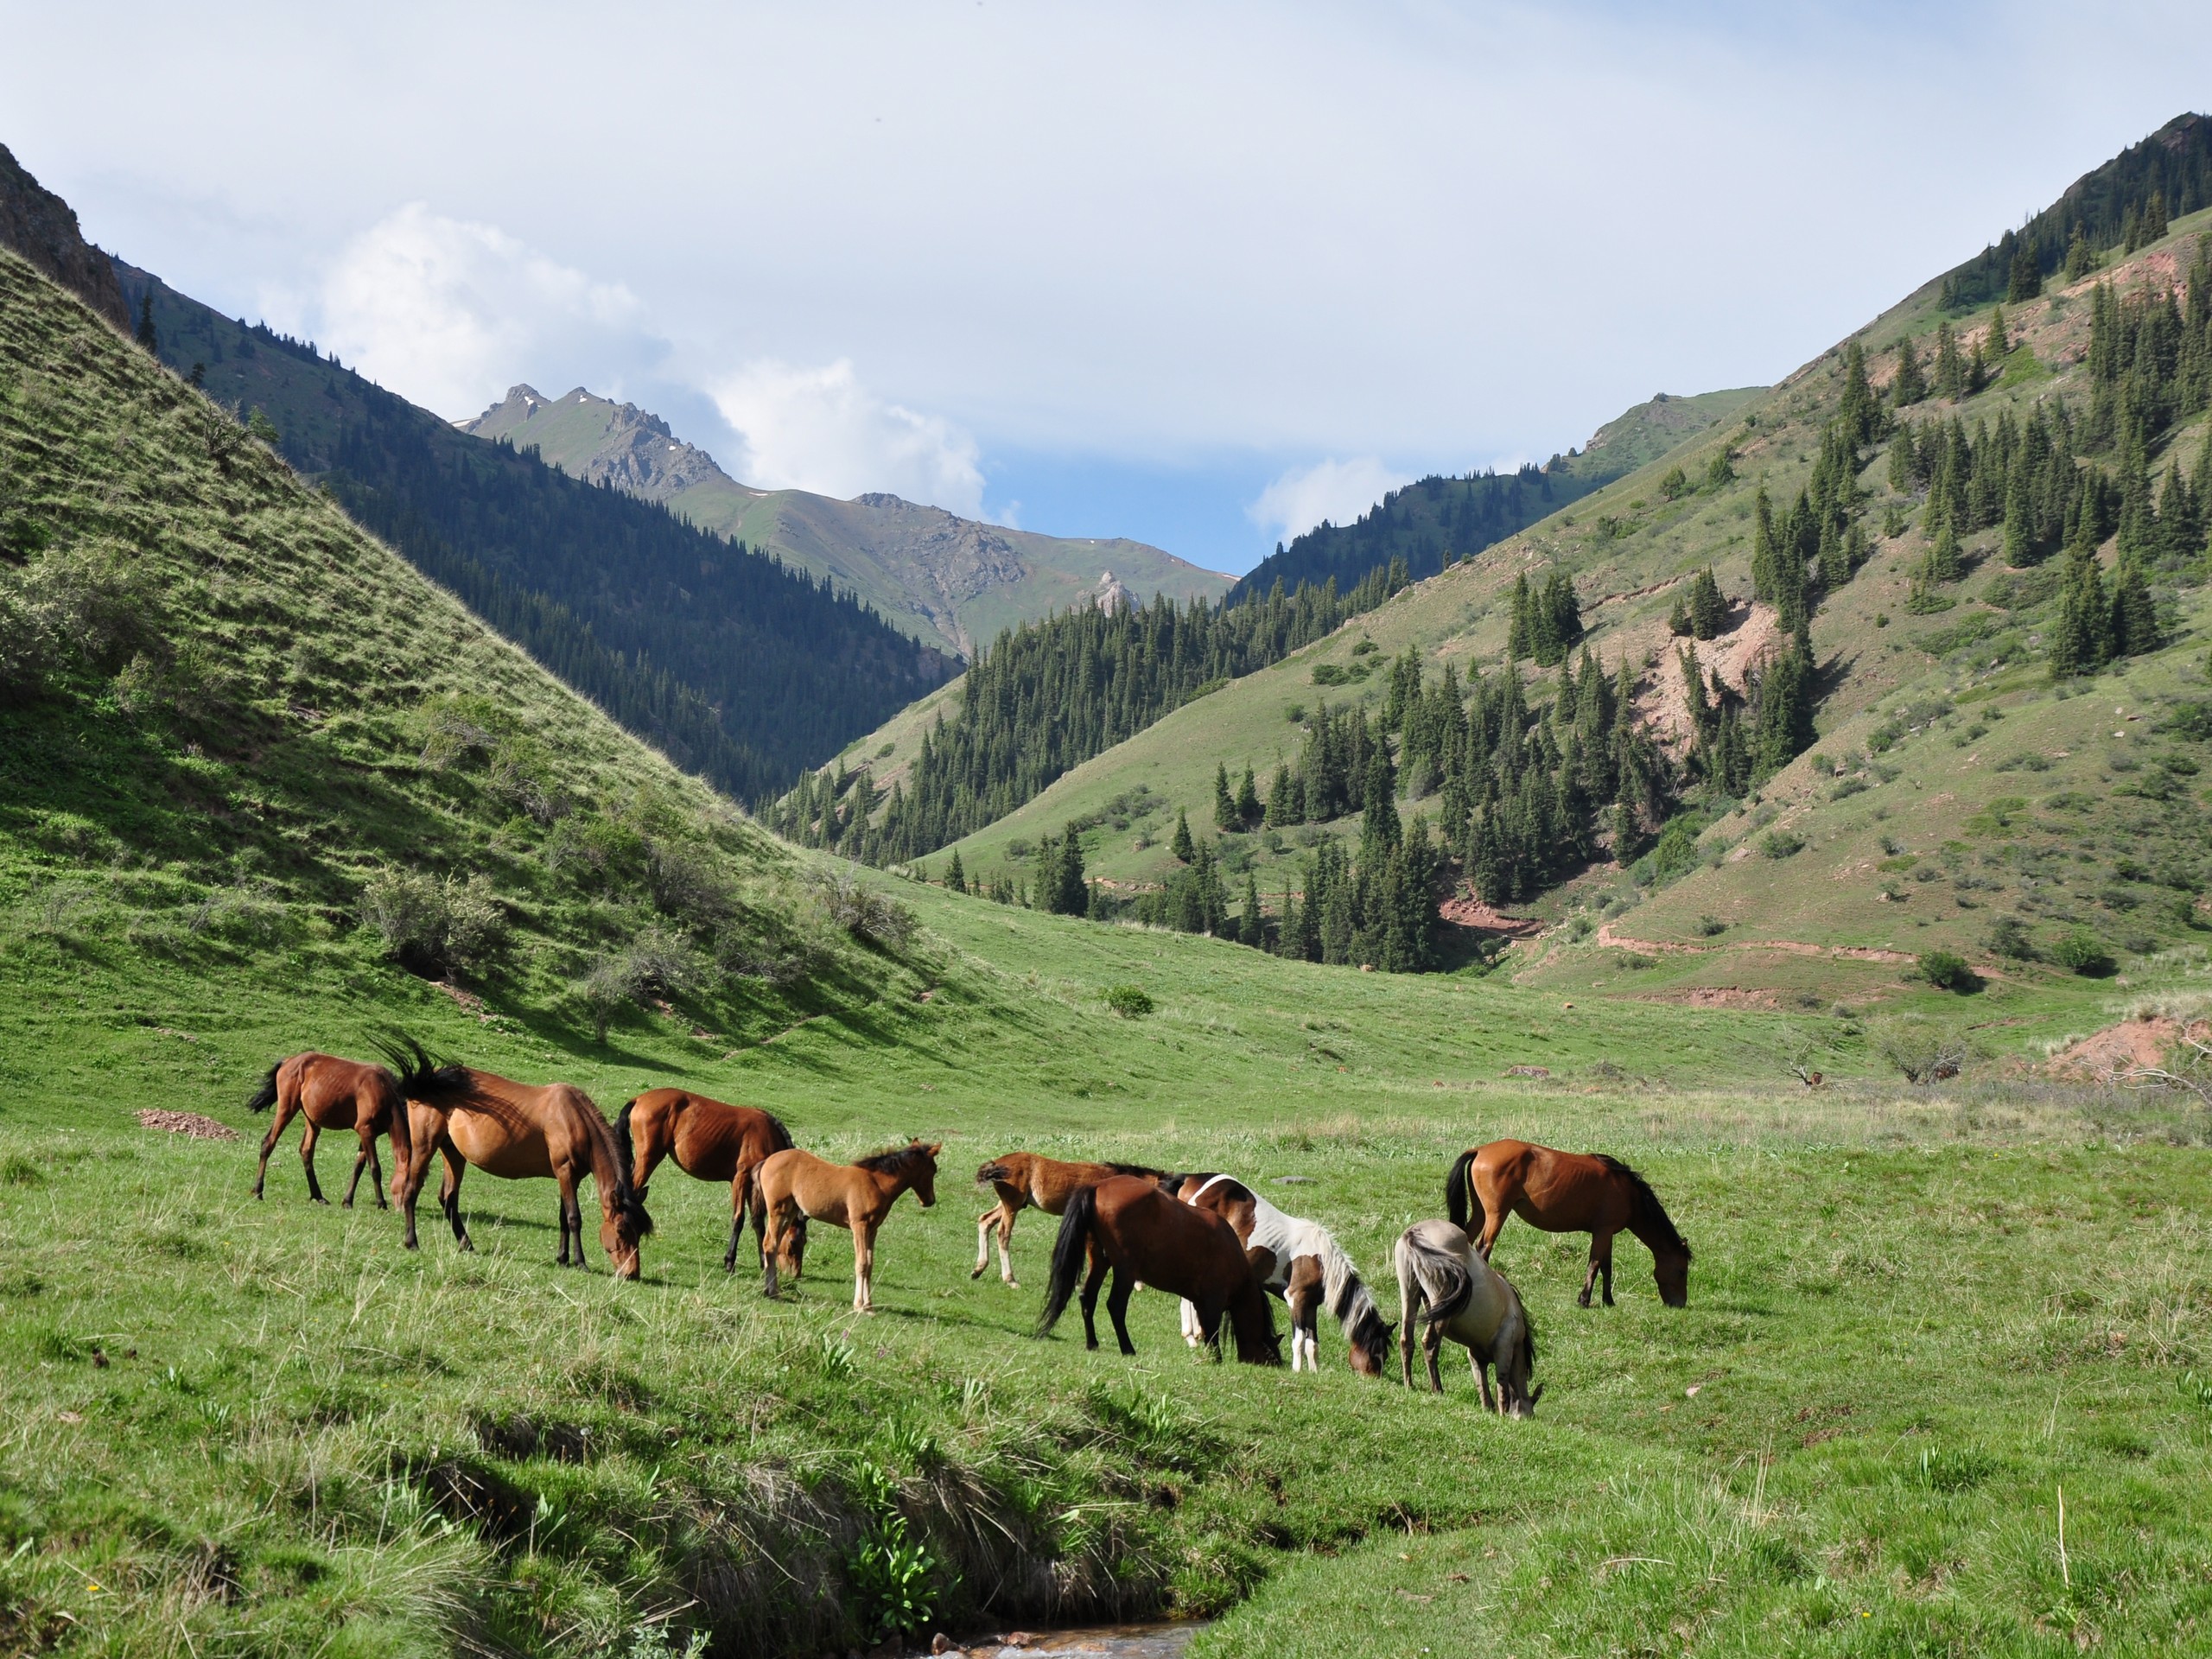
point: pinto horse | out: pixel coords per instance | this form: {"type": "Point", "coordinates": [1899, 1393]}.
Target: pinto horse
{"type": "Point", "coordinates": [794, 1184]}
{"type": "Point", "coordinates": [1441, 1274]}
{"type": "Point", "coordinates": [1129, 1224]}
{"type": "Point", "coordinates": [1028, 1179]}
{"type": "Point", "coordinates": [358, 1094]}
{"type": "Point", "coordinates": [1568, 1192]}
{"type": "Point", "coordinates": [709, 1139]}
{"type": "Point", "coordinates": [518, 1131]}
{"type": "Point", "coordinates": [1297, 1261]}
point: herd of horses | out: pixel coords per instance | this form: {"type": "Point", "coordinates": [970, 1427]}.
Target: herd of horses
{"type": "Point", "coordinates": [1205, 1237]}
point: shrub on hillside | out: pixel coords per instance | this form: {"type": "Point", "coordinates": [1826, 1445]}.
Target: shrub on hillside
{"type": "Point", "coordinates": [1947, 971]}
{"type": "Point", "coordinates": [1781, 843]}
{"type": "Point", "coordinates": [86, 603]}
{"type": "Point", "coordinates": [2082, 952]}
{"type": "Point", "coordinates": [866, 912]}
{"type": "Point", "coordinates": [1922, 1049]}
{"type": "Point", "coordinates": [1130, 1002]}
{"type": "Point", "coordinates": [2008, 937]}
{"type": "Point", "coordinates": [431, 926]}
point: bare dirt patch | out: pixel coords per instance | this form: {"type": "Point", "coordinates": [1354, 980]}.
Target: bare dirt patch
{"type": "Point", "coordinates": [194, 1124]}
{"type": "Point", "coordinates": [1472, 913]}
{"type": "Point", "coordinates": [2131, 1043]}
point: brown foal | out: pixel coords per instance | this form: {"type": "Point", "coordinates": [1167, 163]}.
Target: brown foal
{"type": "Point", "coordinates": [1026, 1180]}
{"type": "Point", "coordinates": [794, 1184]}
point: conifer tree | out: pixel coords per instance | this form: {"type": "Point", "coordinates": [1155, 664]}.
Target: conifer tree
{"type": "Point", "coordinates": [1765, 555]}
{"type": "Point", "coordinates": [1520, 633]}
{"type": "Point", "coordinates": [1950, 374]}
{"type": "Point", "coordinates": [1182, 848]}
{"type": "Point", "coordinates": [2081, 641]}
{"type": "Point", "coordinates": [2080, 258]}
{"type": "Point", "coordinates": [1061, 890]}
{"type": "Point", "coordinates": [2000, 343]}
{"type": "Point", "coordinates": [1678, 620]}
{"type": "Point", "coordinates": [147, 337]}
{"type": "Point", "coordinates": [1224, 803]}
{"type": "Point", "coordinates": [1858, 412]}
{"type": "Point", "coordinates": [1719, 472]}
{"type": "Point", "coordinates": [1908, 386]}
{"type": "Point", "coordinates": [1708, 606]}
{"type": "Point", "coordinates": [955, 878]}
{"type": "Point", "coordinates": [1252, 925]}
{"type": "Point", "coordinates": [2134, 626]}
{"type": "Point", "coordinates": [1248, 801]}
{"type": "Point", "coordinates": [2024, 281]}
{"type": "Point", "coordinates": [1945, 562]}
{"type": "Point", "coordinates": [1283, 810]}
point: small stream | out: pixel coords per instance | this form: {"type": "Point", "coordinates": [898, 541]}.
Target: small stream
{"type": "Point", "coordinates": [1114, 1641]}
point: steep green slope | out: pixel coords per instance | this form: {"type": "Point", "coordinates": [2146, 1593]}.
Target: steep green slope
{"type": "Point", "coordinates": [1895, 651]}
{"type": "Point", "coordinates": [1438, 521]}
{"type": "Point", "coordinates": [742, 670]}
{"type": "Point", "coordinates": [949, 581]}
{"type": "Point", "coordinates": [235, 728]}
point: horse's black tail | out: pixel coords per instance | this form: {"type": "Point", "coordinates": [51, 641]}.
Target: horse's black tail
{"type": "Point", "coordinates": [265, 1096]}
{"type": "Point", "coordinates": [1461, 1200]}
{"type": "Point", "coordinates": [779, 1138]}
{"type": "Point", "coordinates": [436, 1083]}
{"type": "Point", "coordinates": [1068, 1256]}
{"type": "Point", "coordinates": [994, 1171]}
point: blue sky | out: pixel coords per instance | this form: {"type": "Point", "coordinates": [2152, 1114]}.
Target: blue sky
{"type": "Point", "coordinates": [1197, 274]}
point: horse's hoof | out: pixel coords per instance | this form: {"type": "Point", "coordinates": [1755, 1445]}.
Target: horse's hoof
{"type": "Point", "coordinates": [346, 1203]}
{"type": "Point", "coordinates": [1013, 1284]}
{"type": "Point", "coordinates": [319, 1199]}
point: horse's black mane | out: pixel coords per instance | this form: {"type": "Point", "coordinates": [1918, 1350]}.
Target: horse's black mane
{"type": "Point", "coordinates": [1143, 1170]}
{"type": "Point", "coordinates": [1648, 1214]}
{"type": "Point", "coordinates": [891, 1159]}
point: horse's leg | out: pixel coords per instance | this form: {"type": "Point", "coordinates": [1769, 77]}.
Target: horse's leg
{"type": "Point", "coordinates": [1481, 1369]}
{"type": "Point", "coordinates": [572, 1214]}
{"type": "Point", "coordinates": [360, 1162]}
{"type": "Point", "coordinates": [285, 1107]}
{"type": "Point", "coordinates": [863, 1264]}
{"type": "Point", "coordinates": [409, 1170]}
{"type": "Point", "coordinates": [1117, 1309]}
{"type": "Point", "coordinates": [1606, 1268]}
{"type": "Point", "coordinates": [1090, 1284]}
{"type": "Point", "coordinates": [1432, 1344]}
{"type": "Point", "coordinates": [983, 1239]}
{"type": "Point", "coordinates": [449, 1194]}
{"type": "Point", "coordinates": [1007, 1212]}
{"type": "Point", "coordinates": [1305, 1329]}
{"type": "Point", "coordinates": [308, 1137]}
{"type": "Point", "coordinates": [1589, 1278]}
{"type": "Point", "coordinates": [771, 1249]}
{"type": "Point", "coordinates": [736, 1217]}
{"type": "Point", "coordinates": [376, 1175]}
{"type": "Point", "coordinates": [1189, 1314]}
{"type": "Point", "coordinates": [1208, 1319]}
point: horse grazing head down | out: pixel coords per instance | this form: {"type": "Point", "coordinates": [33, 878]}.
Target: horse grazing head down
{"type": "Point", "coordinates": [915, 1162]}
{"type": "Point", "coordinates": [626, 1225]}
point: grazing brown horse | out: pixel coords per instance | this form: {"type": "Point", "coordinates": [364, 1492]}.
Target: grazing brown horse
{"type": "Point", "coordinates": [1568, 1192]}
{"type": "Point", "coordinates": [1128, 1224]}
{"type": "Point", "coordinates": [709, 1139]}
{"type": "Point", "coordinates": [519, 1131]}
{"type": "Point", "coordinates": [358, 1094]}
{"type": "Point", "coordinates": [1027, 1179]}
{"type": "Point", "coordinates": [1441, 1274]}
{"type": "Point", "coordinates": [795, 1184]}
{"type": "Point", "coordinates": [1298, 1261]}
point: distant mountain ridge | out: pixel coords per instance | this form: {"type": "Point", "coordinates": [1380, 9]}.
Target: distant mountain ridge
{"type": "Point", "coordinates": [738, 666]}
{"type": "Point", "coordinates": [1438, 520]}
{"type": "Point", "coordinates": [948, 580]}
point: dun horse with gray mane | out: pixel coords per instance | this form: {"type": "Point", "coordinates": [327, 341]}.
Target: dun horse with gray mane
{"type": "Point", "coordinates": [1568, 1193]}
{"type": "Point", "coordinates": [1440, 1273]}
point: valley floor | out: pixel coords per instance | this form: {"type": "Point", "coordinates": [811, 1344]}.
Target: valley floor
{"type": "Point", "coordinates": [1914, 1318]}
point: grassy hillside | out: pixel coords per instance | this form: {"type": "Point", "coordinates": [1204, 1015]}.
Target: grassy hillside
{"type": "Point", "coordinates": [739, 668]}
{"type": "Point", "coordinates": [1438, 521]}
{"type": "Point", "coordinates": [238, 728]}
{"type": "Point", "coordinates": [949, 581]}
{"type": "Point", "coordinates": [1951, 775]}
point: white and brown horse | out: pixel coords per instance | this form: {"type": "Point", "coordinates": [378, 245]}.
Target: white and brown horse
{"type": "Point", "coordinates": [1298, 1261]}
{"type": "Point", "coordinates": [1442, 1275]}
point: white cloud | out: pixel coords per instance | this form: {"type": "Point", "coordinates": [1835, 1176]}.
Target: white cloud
{"type": "Point", "coordinates": [1338, 491]}
{"type": "Point", "coordinates": [821, 430]}
{"type": "Point", "coordinates": [450, 313]}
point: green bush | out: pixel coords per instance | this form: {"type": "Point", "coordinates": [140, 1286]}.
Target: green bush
{"type": "Point", "coordinates": [1130, 1002]}
{"type": "Point", "coordinates": [2082, 952]}
{"type": "Point", "coordinates": [428, 925]}
{"type": "Point", "coordinates": [1948, 971]}
{"type": "Point", "coordinates": [1780, 843]}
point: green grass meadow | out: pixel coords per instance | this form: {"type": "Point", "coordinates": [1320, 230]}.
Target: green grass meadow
{"type": "Point", "coordinates": [1914, 1318]}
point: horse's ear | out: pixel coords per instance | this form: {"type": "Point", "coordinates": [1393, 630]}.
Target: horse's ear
{"type": "Point", "coordinates": [935, 1148]}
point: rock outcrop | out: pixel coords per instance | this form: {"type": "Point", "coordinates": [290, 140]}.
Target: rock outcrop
{"type": "Point", "coordinates": [38, 224]}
